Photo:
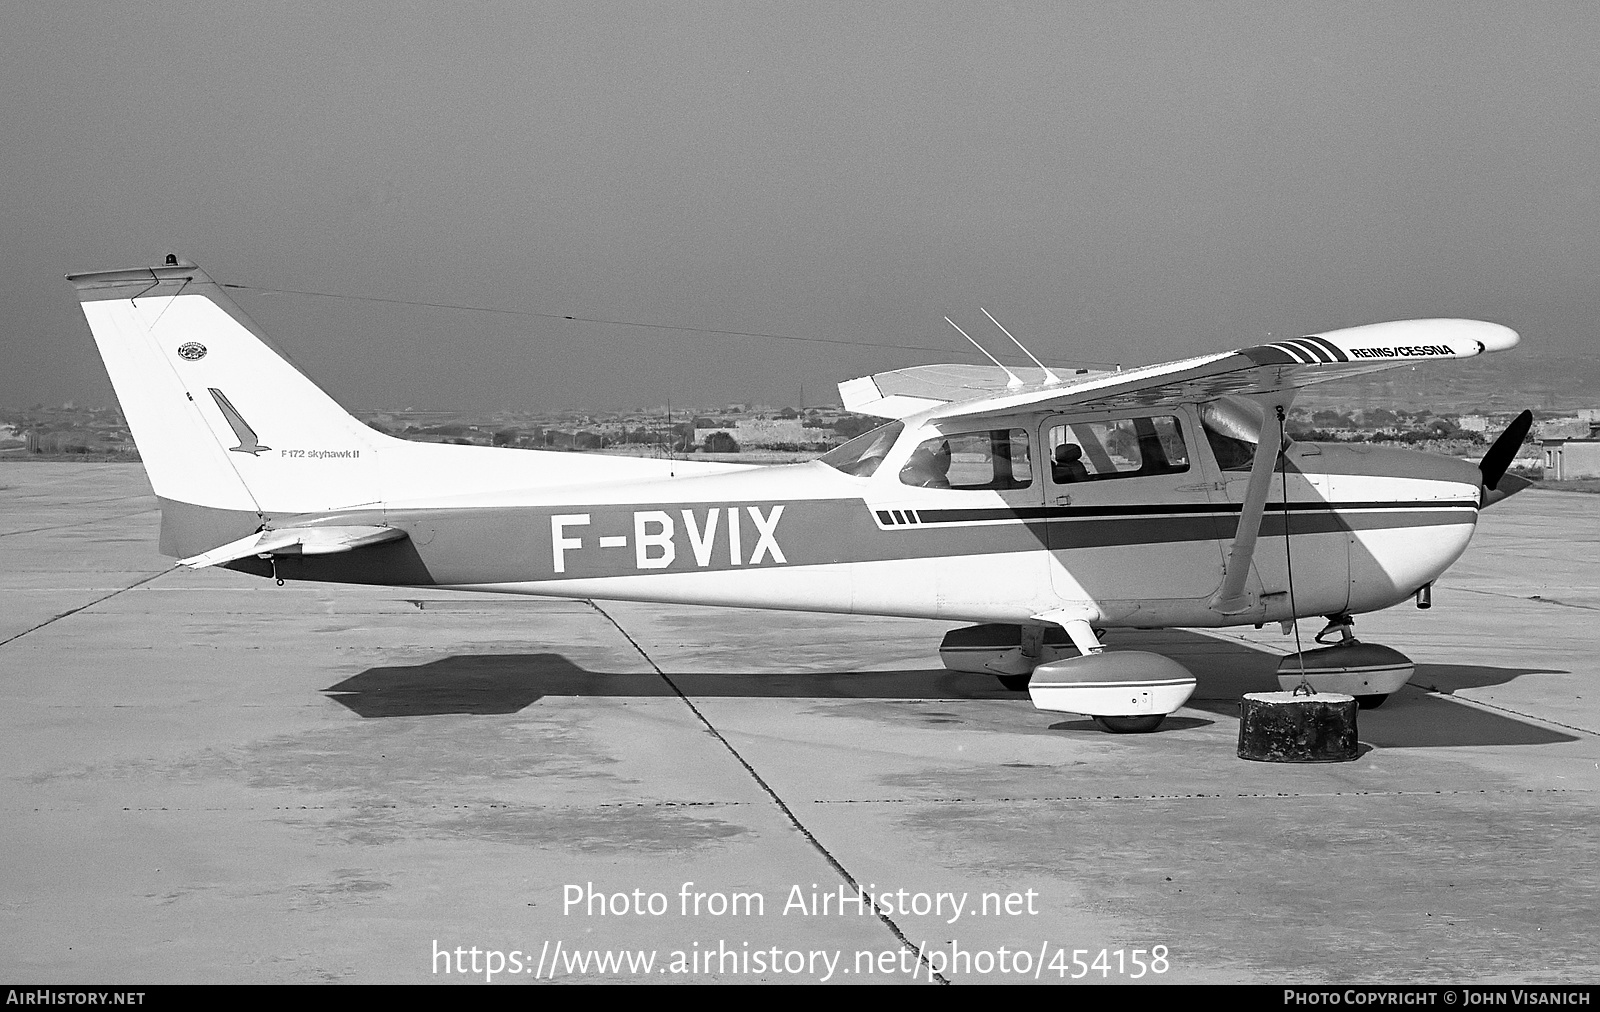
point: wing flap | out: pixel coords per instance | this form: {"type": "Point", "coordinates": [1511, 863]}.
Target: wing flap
{"type": "Point", "coordinates": [295, 541]}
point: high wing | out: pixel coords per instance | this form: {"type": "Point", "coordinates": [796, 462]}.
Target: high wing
{"type": "Point", "coordinates": [953, 391]}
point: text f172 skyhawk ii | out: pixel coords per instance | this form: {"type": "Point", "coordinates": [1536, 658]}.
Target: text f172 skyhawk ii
{"type": "Point", "coordinates": [1045, 509]}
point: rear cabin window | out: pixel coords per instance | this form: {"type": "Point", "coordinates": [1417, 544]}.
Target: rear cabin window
{"type": "Point", "coordinates": [1117, 448]}
{"type": "Point", "coordinates": [996, 459]}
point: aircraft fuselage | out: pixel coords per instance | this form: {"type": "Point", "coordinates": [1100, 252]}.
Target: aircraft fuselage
{"type": "Point", "coordinates": [1367, 527]}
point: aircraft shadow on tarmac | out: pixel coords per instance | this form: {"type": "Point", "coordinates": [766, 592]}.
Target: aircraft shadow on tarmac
{"type": "Point", "coordinates": [1415, 717]}
{"type": "Point", "coordinates": [507, 683]}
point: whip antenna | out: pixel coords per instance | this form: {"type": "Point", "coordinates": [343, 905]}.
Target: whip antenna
{"type": "Point", "coordinates": [1014, 381]}
{"type": "Point", "coordinates": [1050, 377]}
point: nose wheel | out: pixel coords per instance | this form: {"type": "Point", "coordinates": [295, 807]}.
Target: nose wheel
{"type": "Point", "coordinates": [1368, 671]}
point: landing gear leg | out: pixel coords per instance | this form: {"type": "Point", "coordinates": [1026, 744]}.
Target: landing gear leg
{"type": "Point", "coordinates": [1344, 624]}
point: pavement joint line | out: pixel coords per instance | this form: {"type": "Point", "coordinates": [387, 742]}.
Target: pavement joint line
{"type": "Point", "coordinates": [495, 806]}
{"type": "Point", "coordinates": [784, 808]}
{"type": "Point", "coordinates": [1464, 701]}
{"type": "Point", "coordinates": [1271, 795]}
{"type": "Point", "coordinates": [84, 523]}
{"type": "Point", "coordinates": [88, 502]}
{"type": "Point", "coordinates": [1052, 799]}
{"type": "Point", "coordinates": [1536, 598]}
{"type": "Point", "coordinates": [82, 607]}
{"type": "Point", "coordinates": [1430, 690]}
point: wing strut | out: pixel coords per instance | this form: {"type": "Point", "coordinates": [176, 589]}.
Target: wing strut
{"type": "Point", "coordinates": [1230, 598]}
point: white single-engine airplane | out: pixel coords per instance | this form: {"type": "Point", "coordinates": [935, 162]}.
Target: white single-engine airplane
{"type": "Point", "coordinates": [1046, 508]}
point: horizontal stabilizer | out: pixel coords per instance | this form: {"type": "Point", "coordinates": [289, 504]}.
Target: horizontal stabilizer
{"type": "Point", "coordinates": [295, 541]}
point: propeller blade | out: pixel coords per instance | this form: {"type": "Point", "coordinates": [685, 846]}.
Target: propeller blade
{"type": "Point", "coordinates": [1494, 463]}
{"type": "Point", "coordinates": [1510, 485]}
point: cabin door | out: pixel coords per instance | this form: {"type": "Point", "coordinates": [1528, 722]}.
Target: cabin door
{"type": "Point", "coordinates": [1317, 550]}
{"type": "Point", "coordinates": [1132, 508]}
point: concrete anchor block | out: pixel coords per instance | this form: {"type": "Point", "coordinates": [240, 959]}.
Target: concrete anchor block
{"type": "Point", "coordinates": [1281, 727]}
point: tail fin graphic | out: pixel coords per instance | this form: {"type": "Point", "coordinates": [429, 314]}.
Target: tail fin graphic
{"type": "Point", "coordinates": [241, 428]}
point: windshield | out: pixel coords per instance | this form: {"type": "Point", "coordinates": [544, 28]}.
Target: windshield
{"type": "Point", "coordinates": [862, 455]}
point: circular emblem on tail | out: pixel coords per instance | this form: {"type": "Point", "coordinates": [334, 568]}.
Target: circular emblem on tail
{"type": "Point", "coordinates": [191, 351]}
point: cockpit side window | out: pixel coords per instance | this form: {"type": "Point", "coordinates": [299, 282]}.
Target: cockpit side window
{"type": "Point", "coordinates": [996, 459]}
{"type": "Point", "coordinates": [862, 455]}
{"type": "Point", "coordinates": [1117, 448]}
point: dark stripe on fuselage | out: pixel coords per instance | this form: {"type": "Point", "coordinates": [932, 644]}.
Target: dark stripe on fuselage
{"type": "Point", "coordinates": [1025, 513]}
{"type": "Point", "coordinates": [518, 544]}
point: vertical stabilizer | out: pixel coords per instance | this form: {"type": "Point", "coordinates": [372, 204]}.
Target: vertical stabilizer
{"type": "Point", "coordinates": [222, 419]}
{"type": "Point", "coordinates": [233, 435]}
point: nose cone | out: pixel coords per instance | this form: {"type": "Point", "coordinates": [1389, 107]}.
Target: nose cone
{"type": "Point", "coordinates": [1508, 485]}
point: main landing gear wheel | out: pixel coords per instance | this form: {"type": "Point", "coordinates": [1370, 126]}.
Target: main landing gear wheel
{"type": "Point", "coordinates": [1141, 724]}
{"type": "Point", "coordinates": [1016, 683]}
{"type": "Point", "coordinates": [1371, 702]}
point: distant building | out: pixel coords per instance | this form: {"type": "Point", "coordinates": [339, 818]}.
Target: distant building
{"type": "Point", "coordinates": [752, 433]}
{"type": "Point", "coordinates": [1566, 428]}
{"type": "Point", "coordinates": [1570, 459]}
{"type": "Point", "coordinates": [1571, 448]}
{"type": "Point", "coordinates": [76, 441]}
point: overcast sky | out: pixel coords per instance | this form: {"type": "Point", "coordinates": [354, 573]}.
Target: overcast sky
{"type": "Point", "coordinates": [1115, 181]}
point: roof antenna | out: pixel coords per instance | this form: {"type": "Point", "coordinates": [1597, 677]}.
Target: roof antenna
{"type": "Point", "coordinates": [1050, 378]}
{"type": "Point", "coordinates": [1014, 381]}
{"type": "Point", "coordinates": [672, 468]}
